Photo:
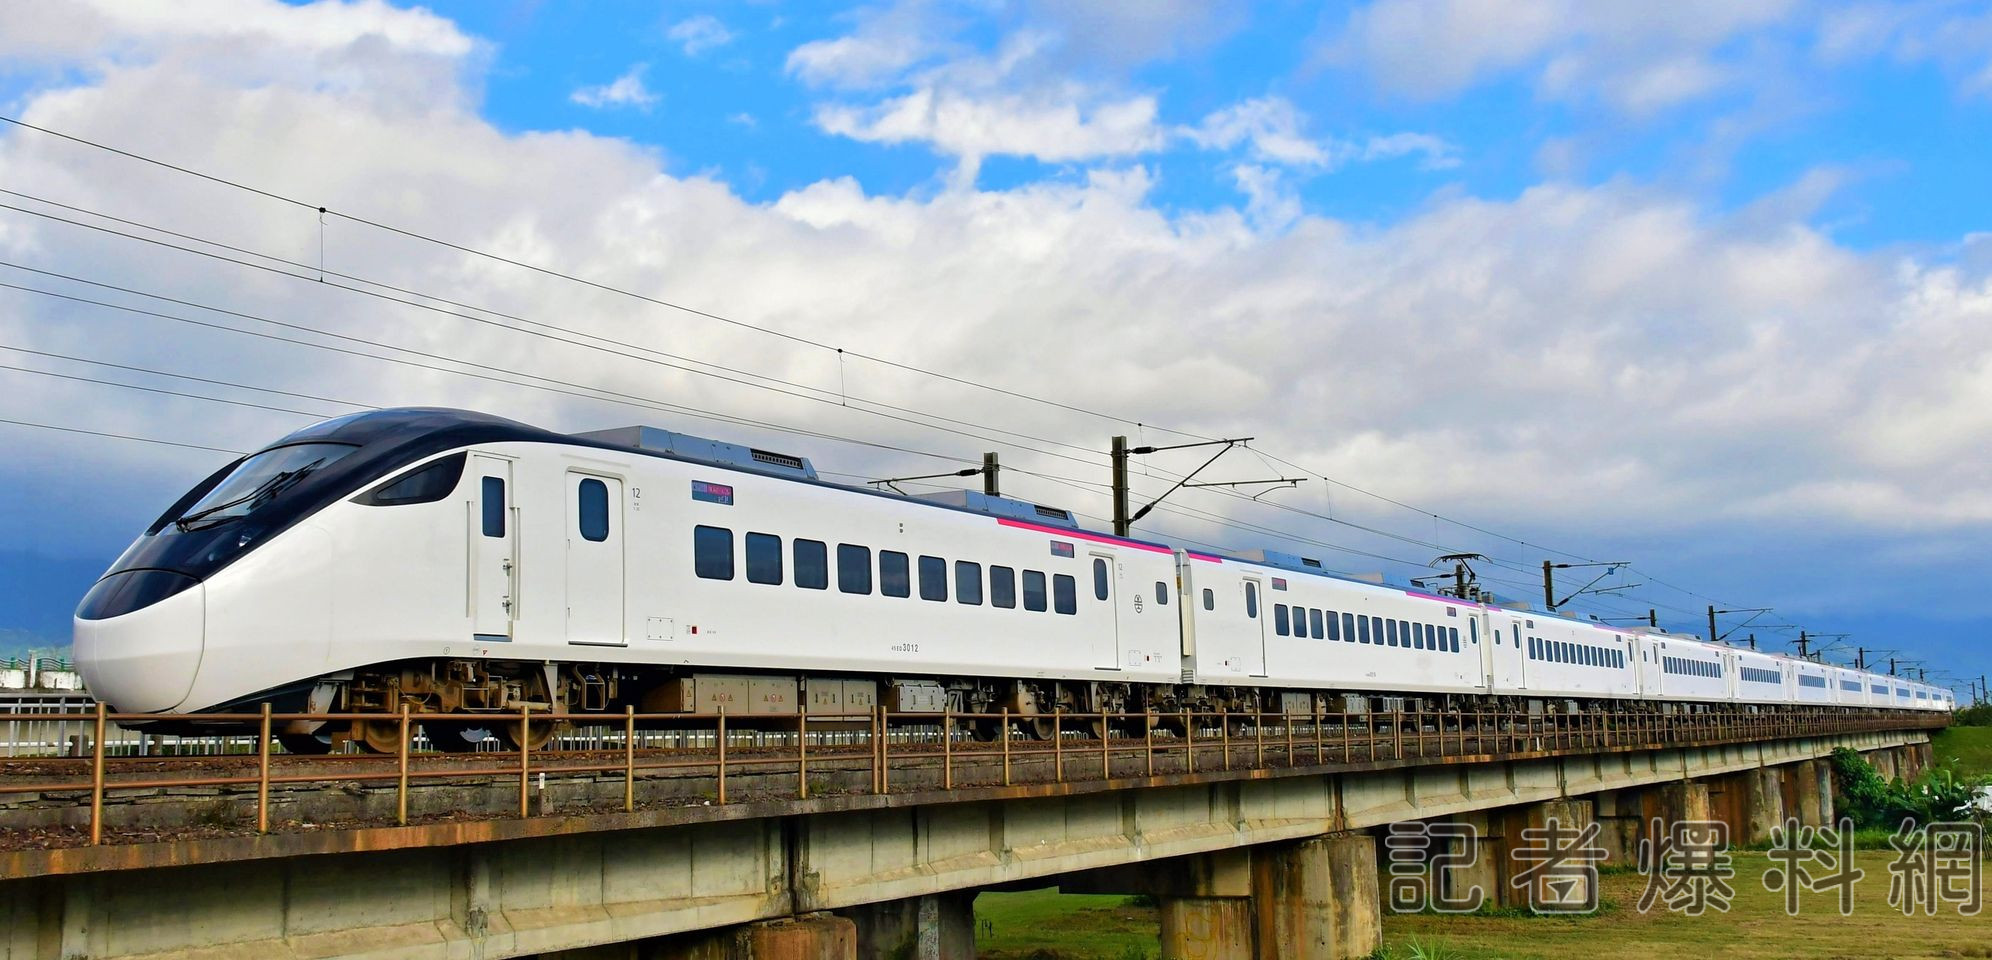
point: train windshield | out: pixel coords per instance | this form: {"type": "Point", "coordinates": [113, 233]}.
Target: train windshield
{"type": "Point", "coordinates": [258, 480]}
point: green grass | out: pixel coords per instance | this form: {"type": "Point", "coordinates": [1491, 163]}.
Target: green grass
{"type": "Point", "coordinates": [1048, 925]}
{"type": "Point", "coordinates": [1044, 925]}
{"type": "Point", "coordinates": [1970, 746]}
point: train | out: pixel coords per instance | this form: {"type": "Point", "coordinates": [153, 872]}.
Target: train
{"type": "Point", "coordinates": [447, 561]}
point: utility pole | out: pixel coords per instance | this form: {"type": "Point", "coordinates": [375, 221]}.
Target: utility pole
{"type": "Point", "coordinates": [1860, 658]}
{"type": "Point", "coordinates": [1121, 522]}
{"type": "Point", "coordinates": [1653, 618]}
{"type": "Point", "coordinates": [989, 469]}
{"type": "Point", "coordinates": [1549, 582]}
{"type": "Point", "coordinates": [1891, 666]}
{"type": "Point", "coordinates": [1711, 623]}
{"type": "Point", "coordinates": [1753, 641]}
{"type": "Point", "coordinates": [1803, 642]}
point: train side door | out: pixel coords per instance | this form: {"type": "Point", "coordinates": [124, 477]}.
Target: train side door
{"type": "Point", "coordinates": [595, 560]}
{"type": "Point", "coordinates": [1105, 573]}
{"type": "Point", "coordinates": [1255, 623]}
{"type": "Point", "coordinates": [494, 558]}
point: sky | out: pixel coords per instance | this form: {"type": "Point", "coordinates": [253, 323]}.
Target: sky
{"type": "Point", "coordinates": [1704, 286]}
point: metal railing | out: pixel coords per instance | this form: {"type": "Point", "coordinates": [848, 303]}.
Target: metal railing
{"type": "Point", "coordinates": [950, 750]}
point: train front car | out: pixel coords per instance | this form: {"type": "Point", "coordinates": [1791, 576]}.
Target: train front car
{"type": "Point", "coordinates": [230, 596]}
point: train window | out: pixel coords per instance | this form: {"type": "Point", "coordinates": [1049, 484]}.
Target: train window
{"type": "Point", "coordinates": [1314, 623]}
{"type": "Point", "coordinates": [933, 578]}
{"type": "Point", "coordinates": [1064, 594]}
{"type": "Point", "coordinates": [1300, 623]}
{"type": "Point", "coordinates": [1280, 618]}
{"type": "Point", "coordinates": [712, 552]}
{"type": "Point", "coordinates": [1334, 627]}
{"type": "Point", "coordinates": [1431, 637]}
{"type": "Point", "coordinates": [425, 484]}
{"type": "Point", "coordinates": [1034, 591]}
{"type": "Point", "coordinates": [968, 582]}
{"type": "Point", "coordinates": [1099, 578]}
{"type": "Point", "coordinates": [1251, 600]}
{"type": "Point", "coordinates": [1452, 633]}
{"type": "Point", "coordinates": [1349, 629]}
{"type": "Point", "coordinates": [1532, 649]}
{"type": "Point", "coordinates": [594, 509]}
{"type": "Point", "coordinates": [1363, 627]}
{"type": "Point", "coordinates": [895, 577]}
{"type": "Point", "coordinates": [493, 495]}
{"type": "Point", "coordinates": [1161, 594]}
{"type": "Point", "coordinates": [1390, 632]}
{"type": "Point", "coordinates": [764, 558]}
{"type": "Point", "coordinates": [1002, 587]}
{"type": "Point", "coordinates": [854, 568]}
{"type": "Point", "coordinates": [812, 564]}
{"type": "Point", "coordinates": [1210, 599]}
{"type": "Point", "coordinates": [1473, 632]}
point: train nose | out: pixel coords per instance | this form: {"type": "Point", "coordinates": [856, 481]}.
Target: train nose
{"type": "Point", "coordinates": [139, 636]}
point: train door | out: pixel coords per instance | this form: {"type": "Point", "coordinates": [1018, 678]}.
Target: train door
{"type": "Point", "coordinates": [1106, 588]}
{"type": "Point", "coordinates": [494, 560]}
{"type": "Point", "coordinates": [1255, 639]}
{"type": "Point", "coordinates": [595, 560]}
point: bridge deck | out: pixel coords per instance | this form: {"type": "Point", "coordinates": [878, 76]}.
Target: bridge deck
{"type": "Point", "coordinates": [106, 811]}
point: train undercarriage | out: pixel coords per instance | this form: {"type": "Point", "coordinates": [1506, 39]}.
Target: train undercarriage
{"type": "Point", "coordinates": [444, 697]}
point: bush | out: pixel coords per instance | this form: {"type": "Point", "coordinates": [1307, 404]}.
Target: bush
{"type": "Point", "coordinates": [1940, 794]}
{"type": "Point", "coordinates": [1974, 716]}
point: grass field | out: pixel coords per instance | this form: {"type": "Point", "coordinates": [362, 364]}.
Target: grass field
{"type": "Point", "coordinates": [1042, 925]}
{"type": "Point", "coordinates": [1971, 746]}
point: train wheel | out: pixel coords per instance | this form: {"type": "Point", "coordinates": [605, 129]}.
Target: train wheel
{"type": "Point", "coordinates": [454, 737]}
{"type": "Point", "coordinates": [508, 734]}
{"type": "Point", "coordinates": [305, 744]}
{"type": "Point", "coordinates": [1042, 727]}
{"type": "Point", "coordinates": [378, 736]}
{"type": "Point", "coordinates": [985, 731]}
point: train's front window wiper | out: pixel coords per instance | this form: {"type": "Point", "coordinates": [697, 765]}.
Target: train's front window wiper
{"type": "Point", "coordinates": [253, 499]}
{"type": "Point", "coordinates": [258, 480]}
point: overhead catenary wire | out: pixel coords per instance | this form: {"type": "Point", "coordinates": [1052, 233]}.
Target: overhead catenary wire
{"type": "Point", "coordinates": [323, 210]}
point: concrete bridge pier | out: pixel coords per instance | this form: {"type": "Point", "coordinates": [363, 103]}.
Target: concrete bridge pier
{"type": "Point", "coordinates": [816, 936]}
{"type": "Point", "coordinates": [937, 926]}
{"type": "Point", "coordinates": [1314, 899]}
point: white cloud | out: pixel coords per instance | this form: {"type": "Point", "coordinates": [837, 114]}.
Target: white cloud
{"type": "Point", "coordinates": [1682, 379]}
{"type": "Point", "coordinates": [697, 34]}
{"type": "Point", "coordinates": [1272, 131]}
{"type": "Point", "coordinates": [974, 106]}
{"type": "Point", "coordinates": [1637, 57]}
{"type": "Point", "coordinates": [627, 90]}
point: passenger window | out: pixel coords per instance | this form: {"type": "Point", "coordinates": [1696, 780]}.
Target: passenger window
{"type": "Point", "coordinates": [933, 578]}
{"type": "Point", "coordinates": [493, 495]}
{"type": "Point", "coordinates": [1210, 599]}
{"type": "Point", "coordinates": [1364, 624]}
{"type": "Point", "coordinates": [1390, 632]}
{"type": "Point", "coordinates": [1349, 629]}
{"type": "Point", "coordinates": [594, 510]}
{"type": "Point", "coordinates": [1161, 593]}
{"type": "Point", "coordinates": [812, 564]}
{"type": "Point", "coordinates": [1452, 633]}
{"type": "Point", "coordinates": [1099, 578]}
{"type": "Point", "coordinates": [712, 552]}
{"type": "Point", "coordinates": [854, 568]}
{"type": "Point", "coordinates": [1064, 594]}
{"type": "Point", "coordinates": [968, 582]}
{"type": "Point", "coordinates": [1334, 626]}
{"type": "Point", "coordinates": [1002, 587]}
{"type": "Point", "coordinates": [1034, 591]}
{"type": "Point", "coordinates": [764, 558]}
{"type": "Point", "coordinates": [1299, 622]}
{"type": "Point", "coordinates": [1314, 624]}
{"type": "Point", "coordinates": [1251, 600]}
{"type": "Point", "coordinates": [1280, 619]}
{"type": "Point", "coordinates": [895, 578]}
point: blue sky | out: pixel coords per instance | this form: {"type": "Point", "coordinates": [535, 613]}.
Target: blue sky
{"type": "Point", "coordinates": [1704, 285]}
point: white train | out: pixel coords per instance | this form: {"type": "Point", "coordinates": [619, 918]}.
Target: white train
{"type": "Point", "coordinates": [455, 561]}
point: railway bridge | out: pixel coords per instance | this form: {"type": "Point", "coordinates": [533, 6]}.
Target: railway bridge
{"type": "Point", "coordinates": [843, 836]}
